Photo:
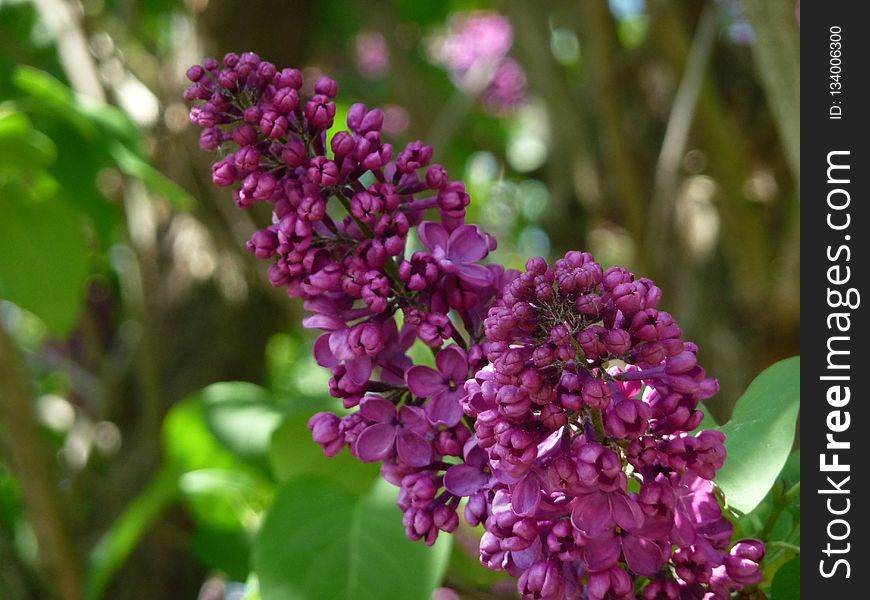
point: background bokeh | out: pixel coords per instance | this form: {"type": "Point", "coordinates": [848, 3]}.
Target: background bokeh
{"type": "Point", "coordinates": [658, 134]}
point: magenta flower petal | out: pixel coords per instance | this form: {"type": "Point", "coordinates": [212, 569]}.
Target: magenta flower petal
{"type": "Point", "coordinates": [476, 275]}
{"type": "Point", "coordinates": [464, 480]}
{"type": "Point", "coordinates": [526, 495]}
{"type": "Point", "coordinates": [601, 552]}
{"type": "Point", "coordinates": [444, 409]}
{"type": "Point", "coordinates": [433, 235]}
{"type": "Point", "coordinates": [474, 454]}
{"type": "Point", "coordinates": [340, 345]}
{"type": "Point", "coordinates": [683, 534]}
{"type": "Point", "coordinates": [376, 442]}
{"type": "Point", "coordinates": [524, 558]}
{"type": "Point", "coordinates": [375, 408]}
{"type": "Point", "coordinates": [325, 322]}
{"type": "Point", "coordinates": [592, 513]}
{"type": "Point", "coordinates": [414, 418]}
{"type": "Point", "coordinates": [322, 354]}
{"type": "Point", "coordinates": [644, 556]}
{"type": "Point", "coordinates": [413, 449]}
{"type": "Point", "coordinates": [626, 512]}
{"type": "Point", "coordinates": [424, 381]}
{"type": "Point", "coordinates": [466, 245]}
{"type": "Point", "coordinates": [453, 364]}
{"type": "Point", "coordinates": [407, 336]}
{"type": "Point", "coordinates": [359, 369]}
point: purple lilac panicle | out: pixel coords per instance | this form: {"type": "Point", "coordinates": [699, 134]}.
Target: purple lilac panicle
{"type": "Point", "coordinates": [563, 396]}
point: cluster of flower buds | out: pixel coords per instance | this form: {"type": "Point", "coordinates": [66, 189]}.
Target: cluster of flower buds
{"type": "Point", "coordinates": [560, 408]}
{"type": "Point", "coordinates": [583, 419]}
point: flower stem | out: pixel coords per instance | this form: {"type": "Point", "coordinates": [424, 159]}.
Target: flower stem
{"type": "Point", "coordinates": [598, 423]}
{"type": "Point", "coordinates": [390, 267]}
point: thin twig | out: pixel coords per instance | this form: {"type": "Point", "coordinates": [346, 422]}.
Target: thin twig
{"type": "Point", "coordinates": [677, 132]}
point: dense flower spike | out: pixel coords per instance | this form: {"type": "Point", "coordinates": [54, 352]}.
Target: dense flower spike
{"type": "Point", "coordinates": [566, 398]}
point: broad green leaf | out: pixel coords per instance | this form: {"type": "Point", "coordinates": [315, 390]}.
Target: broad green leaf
{"type": "Point", "coordinates": [187, 442]}
{"type": "Point", "coordinates": [228, 550]}
{"type": "Point", "coordinates": [754, 523]}
{"type": "Point", "coordinates": [760, 434]}
{"type": "Point", "coordinates": [787, 581]}
{"type": "Point", "coordinates": [294, 453]}
{"type": "Point", "coordinates": [226, 507]}
{"type": "Point", "coordinates": [44, 257]}
{"type": "Point", "coordinates": [242, 416]}
{"type": "Point", "coordinates": [223, 498]}
{"type": "Point", "coordinates": [224, 495]}
{"type": "Point", "coordinates": [320, 542]}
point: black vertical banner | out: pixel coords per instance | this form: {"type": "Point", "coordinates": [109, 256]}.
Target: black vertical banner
{"type": "Point", "coordinates": [835, 178]}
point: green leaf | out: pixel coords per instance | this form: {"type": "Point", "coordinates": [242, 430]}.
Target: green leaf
{"type": "Point", "coordinates": [225, 549]}
{"type": "Point", "coordinates": [222, 498]}
{"type": "Point", "coordinates": [787, 581]}
{"type": "Point", "coordinates": [320, 542]}
{"type": "Point", "coordinates": [101, 125]}
{"type": "Point", "coordinates": [44, 257]}
{"type": "Point", "coordinates": [760, 434]}
{"type": "Point", "coordinates": [294, 453]}
{"type": "Point", "coordinates": [23, 148]}
{"type": "Point", "coordinates": [225, 505]}
{"type": "Point", "coordinates": [242, 416]}
{"type": "Point", "coordinates": [708, 422]}
{"type": "Point", "coordinates": [91, 118]}
{"type": "Point", "coordinates": [189, 445]}
{"type": "Point", "coordinates": [753, 524]}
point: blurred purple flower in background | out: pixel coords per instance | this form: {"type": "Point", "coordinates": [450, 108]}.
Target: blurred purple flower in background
{"type": "Point", "coordinates": [474, 50]}
{"type": "Point", "coordinates": [372, 54]}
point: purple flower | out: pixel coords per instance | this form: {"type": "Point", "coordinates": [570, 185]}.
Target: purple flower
{"type": "Point", "coordinates": [443, 387]}
{"type": "Point", "coordinates": [614, 583]}
{"type": "Point", "coordinates": [644, 556]}
{"type": "Point", "coordinates": [435, 328]}
{"type": "Point", "coordinates": [698, 515]}
{"type": "Point", "coordinates": [468, 478]}
{"type": "Point", "coordinates": [392, 359]}
{"type": "Point", "coordinates": [661, 589]}
{"type": "Point", "coordinates": [599, 512]}
{"type": "Point", "coordinates": [393, 434]}
{"type": "Point", "coordinates": [325, 431]}
{"type": "Point", "coordinates": [458, 251]}
{"type": "Point", "coordinates": [372, 54]}
{"type": "Point", "coordinates": [542, 581]}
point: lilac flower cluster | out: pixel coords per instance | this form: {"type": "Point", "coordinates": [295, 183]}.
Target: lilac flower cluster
{"type": "Point", "coordinates": [475, 52]}
{"type": "Point", "coordinates": [582, 417]}
{"type": "Point", "coordinates": [561, 401]}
